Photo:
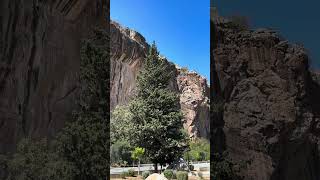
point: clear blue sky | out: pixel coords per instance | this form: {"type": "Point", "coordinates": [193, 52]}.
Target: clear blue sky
{"type": "Point", "coordinates": [181, 29]}
{"type": "Point", "coordinates": [297, 20]}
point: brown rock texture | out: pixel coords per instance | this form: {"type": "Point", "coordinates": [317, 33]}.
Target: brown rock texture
{"type": "Point", "coordinates": [128, 50]}
{"type": "Point", "coordinates": [271, 112]}
{"type": "Point", "coordinates": [194, 102]}
{"type": "Point", "coordinates": [39, 63]}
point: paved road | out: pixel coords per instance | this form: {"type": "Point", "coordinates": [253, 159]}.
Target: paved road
{"type": "Point", "coordinates": [147, 167]}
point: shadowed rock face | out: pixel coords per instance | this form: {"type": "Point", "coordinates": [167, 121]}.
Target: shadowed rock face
{"type": "Point", "coordinates": [270, 119]}
{"type": "Point", "coordinates": [39, 63]}
{"type": "Point", "coordinates": [128, 50]}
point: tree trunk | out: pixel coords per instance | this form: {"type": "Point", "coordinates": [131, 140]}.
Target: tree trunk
{"type": "Point", "coordinates": [156, 167]}
{"type": "Point", "coordinates": [139, 168]}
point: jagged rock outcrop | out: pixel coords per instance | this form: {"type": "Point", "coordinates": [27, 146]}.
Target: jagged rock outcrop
{"type": "Point", "coordinates": [128, 50]}
{"type": "Point", "coordinates": [39, 63]}
{"type": "Point", "coordinates": [194, 102]}
{"type": "Point", "coordinates": [271, 112]}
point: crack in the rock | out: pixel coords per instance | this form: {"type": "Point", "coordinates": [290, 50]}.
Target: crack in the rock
{"type": "Point", "coordinates": [30, 67]}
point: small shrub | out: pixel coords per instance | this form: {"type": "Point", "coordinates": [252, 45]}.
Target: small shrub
{"type": "Point", "coordinates": [200, 175]}
{"type": "Point", "coordinates": [201, 156]}
{"type": "Point", "coordinates": [124, 174]}
{"type": "Point", "coordinates": [182, 175]}
{"type": "Point", "coordinates": [131, 172]}
{"type": "Point", "coordinates": [145, 174]}
{"type": "Point", "coordinates": [191, 167]}
{"type": "Point", "coordinates": [224, 168]}
{"type": "Point", "coordinates": [168, 173]}
{"type": "Point", "coordinates": [184, 70]}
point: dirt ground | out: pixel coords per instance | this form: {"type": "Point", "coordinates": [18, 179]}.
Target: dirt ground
{"type": "Point", "coordinates": [140, 178]}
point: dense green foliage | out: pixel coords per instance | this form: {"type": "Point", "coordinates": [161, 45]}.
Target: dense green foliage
{"type": "Point", "coordinates": [156, 114]}
{"type": "Point", "coordinates": [199, 150]}
{"type": "Point", "coordinates": [36, 160]}
{"type": "Point", "coordinates": [137, 153]}
{"type": "Point", "coordinates": [131, 172]}
{"type": "Point", "coordinates": [120, 123]}
{"type": "Point", "coordinates": [168, 173]}
{"type": "Point", "coordinates": [182, 175]}
{"type": "Point", "coordinates": [120, 153]}
{"type": "Point", "coordinates": [223, 167]}
{"type": "Point", "coordinates": [145, 174]}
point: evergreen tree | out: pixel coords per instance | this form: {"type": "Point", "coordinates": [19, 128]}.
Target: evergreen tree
{"type": "Point", "coordinates": [156, 113]}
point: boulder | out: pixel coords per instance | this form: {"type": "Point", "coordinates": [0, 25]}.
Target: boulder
{"type": "Point", "coordinates": [156, 176]}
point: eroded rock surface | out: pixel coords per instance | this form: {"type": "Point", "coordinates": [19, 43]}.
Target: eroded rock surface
{"type": "Point", "coordinates": [128, 50]}
{"type": "Point", "coordinates": [270, 118]}
{"type": "Point", "coordinates": [194, 101]}
{"type": "Point", "coordinates": [39, 63]}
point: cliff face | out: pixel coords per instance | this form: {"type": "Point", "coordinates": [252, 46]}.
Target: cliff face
{"type": "Point", "coordinates": [39, 63]}
{"type": "Point", "coordinates": [128, 50]}
{"type": "Point", "coordinates": [271, 113]}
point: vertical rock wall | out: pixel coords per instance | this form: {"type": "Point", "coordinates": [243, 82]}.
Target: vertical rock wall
{"type": "Point", "coordinates": [39, 63]}
{"type": "Point", "coordinates": [270, 118]}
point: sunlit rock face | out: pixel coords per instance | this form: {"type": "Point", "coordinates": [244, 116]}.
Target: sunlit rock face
{"type": "Point", "coordinates": [128, 50]}
{"type": "Point", "coordinates": [271, 113]}
{"type": "Point", "coordinates": [40, 63]}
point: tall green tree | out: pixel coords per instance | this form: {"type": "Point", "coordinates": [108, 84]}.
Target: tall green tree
{"type": "Point", "coordinates": [84, 141]}
{"type": "Point", "coordinates": [156, 115]}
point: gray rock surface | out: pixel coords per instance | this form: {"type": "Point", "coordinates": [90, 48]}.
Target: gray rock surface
{"type": "Point", "coordinates": [271, 113]}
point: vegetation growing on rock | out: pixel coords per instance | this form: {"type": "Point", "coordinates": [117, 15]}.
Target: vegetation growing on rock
{"type": "Point", "coordinates": [80, 151]}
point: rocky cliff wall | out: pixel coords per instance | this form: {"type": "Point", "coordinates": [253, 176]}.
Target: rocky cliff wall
{"type": "Point", "coordinates": [39, 63]}
{"type": "Point", "coordinates": [270, 116]}
{"type": "Point", "coordinates": [128, 50]}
